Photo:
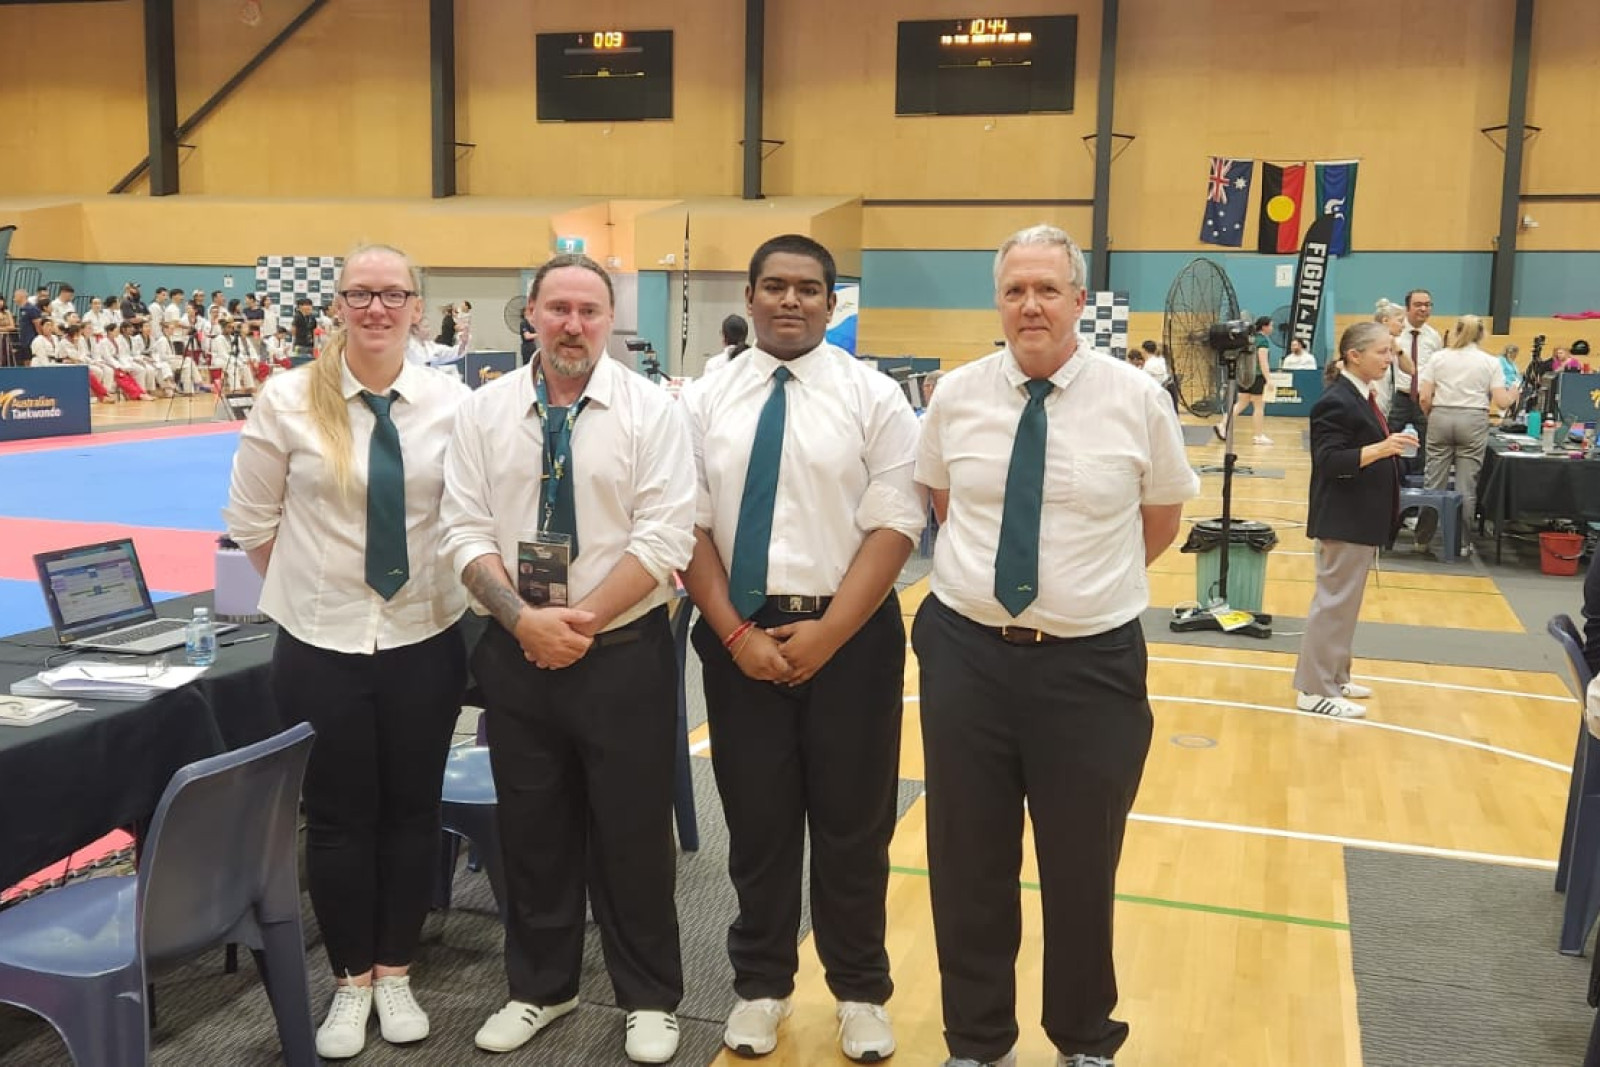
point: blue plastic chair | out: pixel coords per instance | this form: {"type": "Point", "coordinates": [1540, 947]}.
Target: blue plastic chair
{"type": "Point", "coordinates": [468, 812]}
{"type": "Point", "coordinates": [1446, 503]}
{"type": "Point", "coordinates": [1578, 866]}
{"type": "Point", "coordinates": [219, 865]}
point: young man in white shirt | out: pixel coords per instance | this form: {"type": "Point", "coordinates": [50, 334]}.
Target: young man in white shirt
{"type": "Point", "coordinates": [63, 305]}
{"type": "Point", "coordinates": [1059, 474]}
{"type": "Point", "coordinates": [803, 522]}
{"type": "Point", "coordinates": [1418, 342]}
{"type": "Point", "coordinates": [575, 474]}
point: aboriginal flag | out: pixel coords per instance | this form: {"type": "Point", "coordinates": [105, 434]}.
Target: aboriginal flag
{"type": "Point", "coordinates": [1282, 189]}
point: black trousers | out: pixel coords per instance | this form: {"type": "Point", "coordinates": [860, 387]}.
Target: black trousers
{"type": "Point", "coordinates": [1064, 727]}
{"type": "Point", "coordinates": [824, 755]}
{"type": "Point", "coordinates": [371, 793]}
{"type": "Point", "coordinates": [583, 763]}
{"type": "Point", "coordinates": [1405, 411]}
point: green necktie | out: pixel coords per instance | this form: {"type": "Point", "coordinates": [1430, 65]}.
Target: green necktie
{"type": "Point", "coordinates": [387, 564]}
{"type": "Point", "coordinates": [1016, 563]}
{"type": "Point", "coordinates": [747, 577]}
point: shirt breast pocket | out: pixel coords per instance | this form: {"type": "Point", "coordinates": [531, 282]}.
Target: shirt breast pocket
{"type": "Point", "coordinates": [1102, 486]}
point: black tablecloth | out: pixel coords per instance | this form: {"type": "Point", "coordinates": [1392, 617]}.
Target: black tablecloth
{"type": "Point", "coordinates": [66, 782]}
{"type": "Point", "coordinates": [1537, 487]}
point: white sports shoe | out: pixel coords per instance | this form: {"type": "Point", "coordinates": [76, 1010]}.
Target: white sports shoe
{"type": "Point", "coordinates": [652, 1036]}
{"type": "Point", "coordinates": [1261, 439]}
{"type": "Point", "coordinates": [516, 1024]}
{"type": "Point", "coordinates": [864, 1032]}
{"type": "Point", "coordinates": [752, 1028]}
{"type": "Point", "coordinates": [1355, 691]}
{"type": "Point", "coordinates": [400, 1018]}
{"type": "Point", "coordinates": [344, 1032]}
{"type": "Point", "coordinates": [1334, 707]}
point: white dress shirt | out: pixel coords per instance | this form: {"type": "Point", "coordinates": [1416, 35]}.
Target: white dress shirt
{"type": "Point", "coordinates": [1299, 361]}
{"type": "Point", "coordinates": [1113, 446]}
{"type": "Point", "coordinates": [849, 445]}
{"type": "Point", "coordinates": [1463, 377]}
{"type": "Point", "coordinates": [634, 488]}
{"type": "Point", "coordinates": [1428, 342]}
{"type": "Point", "coordinates": [282, 488]}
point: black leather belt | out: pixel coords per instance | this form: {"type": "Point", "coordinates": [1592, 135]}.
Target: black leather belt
{"type": "Point", "coordinates": [1023, 635]}
{"type": "Point", "coordinates": [626, 635]}
{"type": "Point", "coordinates": [798, 605]}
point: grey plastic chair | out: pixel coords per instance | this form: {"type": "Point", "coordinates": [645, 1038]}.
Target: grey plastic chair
{"type": "Point", "coordinates": [1578, 866]}
{"type": "Point", "coordinates": [219, 865]}
{"type": "Point", "coordinates": [468, 811]}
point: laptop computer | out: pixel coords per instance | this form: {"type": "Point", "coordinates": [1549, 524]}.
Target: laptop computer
{"type": "Point", "coordinates": [99, 601]}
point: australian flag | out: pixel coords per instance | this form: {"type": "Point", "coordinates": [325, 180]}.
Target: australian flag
{"type": "Point", "coordinates": [1227, 196]}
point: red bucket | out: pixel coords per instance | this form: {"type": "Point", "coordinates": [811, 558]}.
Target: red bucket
{"type": "Point", "coordinates": [1559, 552]}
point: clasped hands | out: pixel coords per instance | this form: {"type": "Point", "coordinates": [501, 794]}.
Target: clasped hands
{"type": "Point", "coordinates": [553, 638]}
{"type": "Point", "coordinates": [787, 655]}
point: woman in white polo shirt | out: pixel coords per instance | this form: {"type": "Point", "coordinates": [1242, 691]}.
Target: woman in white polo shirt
{"type": "Point", "coordinates": [1457, 386]}
{"type": "Point", "coordinates": [335, 496]}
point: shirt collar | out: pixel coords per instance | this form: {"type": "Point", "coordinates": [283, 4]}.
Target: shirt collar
{"type": "Point", "coordinates": [602, 387]}
{"type": "Point", "coordinates": [406, 385]}
{"type": "Point", "coordinates": [1366, 389]}
{"type": "Point", "coordinates": [1061, 378]}
{"type": "Point", "coordinates": [801, 368]}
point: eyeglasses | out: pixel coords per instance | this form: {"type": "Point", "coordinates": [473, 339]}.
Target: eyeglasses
{"type": "Point", "coordinates": [392, 298]}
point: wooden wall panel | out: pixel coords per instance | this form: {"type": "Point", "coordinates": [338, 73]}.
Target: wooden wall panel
{"type": "Point", "coordinates": [72, 90]}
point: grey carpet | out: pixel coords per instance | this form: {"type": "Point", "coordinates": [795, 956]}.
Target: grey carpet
{"type": "Point", "coordinates": [1456, 965]}
{"type": "Point", "coordinates": [207, 1017]}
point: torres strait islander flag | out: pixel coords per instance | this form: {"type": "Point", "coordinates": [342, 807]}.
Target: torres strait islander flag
{"type": "Point", "coordinates": [1336, 199]}
{"type": "Point", "coordinates": [1227, 196]}
{"type": "Point", "coordinates": [1282, 189]}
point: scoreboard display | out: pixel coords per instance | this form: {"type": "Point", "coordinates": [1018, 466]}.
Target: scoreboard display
{"type": "Point", "coordinates": [986, 66]}
{"type": "Point", "coordinates": [604, 76]}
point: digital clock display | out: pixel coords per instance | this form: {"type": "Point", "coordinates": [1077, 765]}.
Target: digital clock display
{"type": "Point", "coordinates": [985, 32]}
{"type": "Point", "coordinates": [604, 39]}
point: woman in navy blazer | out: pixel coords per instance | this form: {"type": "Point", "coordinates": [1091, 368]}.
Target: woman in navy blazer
{"type": "Point", "coordinates": [1354, 511]}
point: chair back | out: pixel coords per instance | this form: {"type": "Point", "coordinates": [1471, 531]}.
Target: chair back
{"type": "Point", "coordinates": [222, 845]}
{"type": "Point", "coordinates": [1565, 631]}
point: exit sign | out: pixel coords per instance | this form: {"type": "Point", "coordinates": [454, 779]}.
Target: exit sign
{"type": "Point", "coordinates": [569, 245]}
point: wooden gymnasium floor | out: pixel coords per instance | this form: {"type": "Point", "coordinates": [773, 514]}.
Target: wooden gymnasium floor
{"type": "Point", "coordinates": [1232, 928]}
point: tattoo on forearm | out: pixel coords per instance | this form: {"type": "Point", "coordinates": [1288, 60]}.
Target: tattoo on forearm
{"type": "Point", "coordinates": [493, 592]}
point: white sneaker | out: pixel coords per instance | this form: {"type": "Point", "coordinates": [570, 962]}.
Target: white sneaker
{"type": "Point", "coordinates": [1335, 707]}
{"type": "Point", "coordinates": [864, 1033]}
{"type": "Point", "coordinates": [1008, 1060]}
{"type": "Point", "coordinates": [400, 1018]}
{"type": "Point", "coordinates": [1083, 1059]}
{"type": "Point", "coordinates": [344, 1032]}
{"type": "Point", "coordinates": [1355, 691]}
{"type": "Point", "coordinates": [516, 1024]}
{"type": "Point", "coordinates": [1261, 439]}
{"type": "Point", "coordinates": [652, 1036]}
{"type": "Point", "coordinates": [752, 1028]}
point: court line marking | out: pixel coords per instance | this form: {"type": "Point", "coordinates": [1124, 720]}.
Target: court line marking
{"type": "Point", "coordinates": [1565, 699]}
{"type": "Point", "coordinates": [1180, 905]}
{"type": "Point", "coordinates": [1396, 728]}
{"type": "Point", "coordinates": [1350, 842]}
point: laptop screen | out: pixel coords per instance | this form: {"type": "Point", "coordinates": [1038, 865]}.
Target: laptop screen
{"type": "Point", "coordinates": [93, 589]}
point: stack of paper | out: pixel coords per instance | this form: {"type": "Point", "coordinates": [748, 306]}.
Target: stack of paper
{"type": "Point", "coordinates": [107, 681]}
{"type": "Point", "coordinates": [25, 711]}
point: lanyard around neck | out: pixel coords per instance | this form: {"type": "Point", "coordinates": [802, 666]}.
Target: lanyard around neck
{"type": "Point", "coordinates": [557, 442]}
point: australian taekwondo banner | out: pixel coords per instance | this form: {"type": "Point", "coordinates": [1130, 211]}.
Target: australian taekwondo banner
{"type": "Point", "coordinates": [43, 402]}
{"type": "Point", "coordinates": [1310, 282]}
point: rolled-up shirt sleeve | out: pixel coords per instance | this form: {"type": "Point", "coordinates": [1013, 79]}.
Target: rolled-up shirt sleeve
{"type": "Point", "coordinates": [662, 539]}
{"type": "Point", "coordinates": [892, 500]}
{"type": "Point", "coordinates": [260, 477]}
{"type": "Point", "coordinates": [464, 509]}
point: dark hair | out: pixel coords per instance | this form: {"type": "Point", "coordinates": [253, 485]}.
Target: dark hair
{"type": "Point", "coordinates": [65, 288]}
{"type": "Point", "coordinates": [794, 244]}
{"type": "Point", "coordinates": [1580, 347]}
{"type": "Point", "coordinates": [1150, 347]}
{"type": "Point", "coordinates": [570, 259]}
{"type": "Point", "coordinates": [1263, 321]}
{"type": "Point", "coordinates": [734, 331]}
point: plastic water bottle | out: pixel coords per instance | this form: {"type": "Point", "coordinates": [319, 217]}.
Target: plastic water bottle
{"type": "Point", "coordinates": [200, 643]}
{"type": "Point", "coordinates": [1409, 450]}
{"type": "Point", "coordinates": [1535, 423]}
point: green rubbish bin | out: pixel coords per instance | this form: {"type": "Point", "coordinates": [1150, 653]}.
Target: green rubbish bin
{"type": "Point", "coordinates": [1248, 545]}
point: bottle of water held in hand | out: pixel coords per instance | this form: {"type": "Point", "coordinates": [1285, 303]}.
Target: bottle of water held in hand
{"type": "Point", "coordinates": [200, 643]}
{"type": "Point", "coordinates": [1409, 450]}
